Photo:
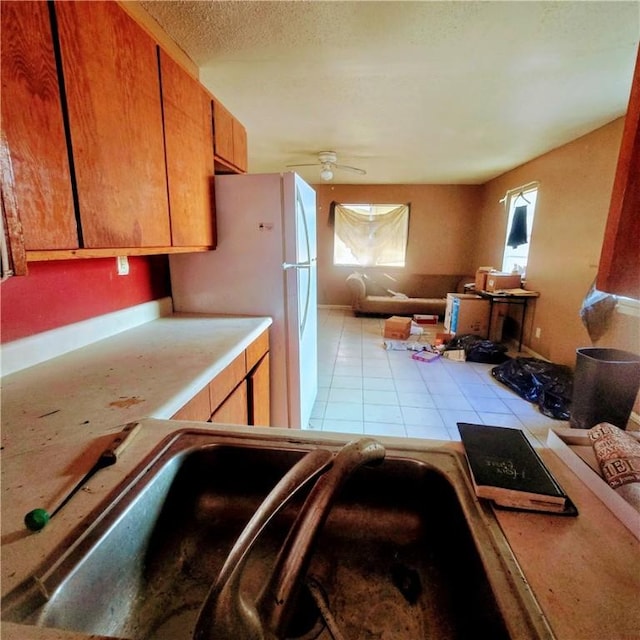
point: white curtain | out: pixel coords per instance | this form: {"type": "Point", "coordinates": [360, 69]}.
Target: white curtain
{"type": "Point", "coordinates": [375, 235]}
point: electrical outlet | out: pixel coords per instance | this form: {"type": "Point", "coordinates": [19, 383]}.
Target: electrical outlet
{"type": "Point", "coordinates": [122, 263]}
{"type": "Point", "coordinates": [538, 332]}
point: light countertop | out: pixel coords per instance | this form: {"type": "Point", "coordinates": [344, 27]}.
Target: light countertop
{"type": "Point", "coordinates": [58, 414]}
{"type": "Point", "coordinates": [149, 371]}
{"type": "Point", "coordinates": [584, 571]}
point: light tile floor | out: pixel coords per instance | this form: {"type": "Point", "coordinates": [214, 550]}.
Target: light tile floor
{"type": "Point", "coordinates": [365, 389]}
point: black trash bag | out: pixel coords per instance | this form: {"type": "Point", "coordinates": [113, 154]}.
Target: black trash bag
{"type": "Point", "coordinates": [546, 384]}
{"type": "Point", "coordinates": [477, 349]}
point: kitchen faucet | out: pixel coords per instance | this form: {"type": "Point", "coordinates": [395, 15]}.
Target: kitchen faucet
{"type": "Point", "coordinates": [226, 613]}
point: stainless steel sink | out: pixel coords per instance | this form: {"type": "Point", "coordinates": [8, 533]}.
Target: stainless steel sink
{"type": "Point", "coordinates": [406, 552]}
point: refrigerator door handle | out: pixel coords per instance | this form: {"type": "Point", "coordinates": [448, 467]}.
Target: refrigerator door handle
{"type": "Point", "coordinates": [298, 265]}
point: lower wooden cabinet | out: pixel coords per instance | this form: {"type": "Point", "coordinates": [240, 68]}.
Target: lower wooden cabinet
{"type": "Point", "coordinates": [198, 408]}
{"type": "Point", "coordinates": [239, 394]}
{"type": "Point", "coordinates": [235, 409]}
{"type": "Point", "coordinates": [226, 381]}
{"type": "Point", "coordinates": [259, 391]}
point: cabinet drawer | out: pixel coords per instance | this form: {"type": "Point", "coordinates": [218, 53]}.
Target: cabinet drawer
{"type": "Point", "coordinates": [226, 381]}
{"type": "Point", "coordinates": [257, 349]}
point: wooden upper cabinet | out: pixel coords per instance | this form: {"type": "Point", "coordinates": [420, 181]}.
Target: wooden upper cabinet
{"type": "Point", "coordinates": [619, 269]}
{"type": "Point", "coordinates": [106, 144]}
{"type": "Point", "coordinates": [223, 132]}
{"type": "Point", "coordinates": [112, 86]}
{"type": "Point", "coordinates": [188, 131]}
{"type": "Point", "coordinates": [239, 145]}
{"type": "Point", "coordinates": [33, 129]}
{"type": "Point", "coordinates": [230, 137]}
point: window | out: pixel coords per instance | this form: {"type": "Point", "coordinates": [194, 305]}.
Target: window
{"type": "Point", "coordinates": [370, 235]}
{"type": "Point", "coordinates": [521, 206]}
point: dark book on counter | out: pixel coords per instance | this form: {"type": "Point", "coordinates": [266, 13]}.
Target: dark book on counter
{"type": "Point", "coordinates": [506, 469]}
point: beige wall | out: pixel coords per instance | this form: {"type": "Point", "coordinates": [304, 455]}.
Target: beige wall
{"type": "Point", "coordinates": [571, 211]}
{"type": "Point", "coordinates": [455, 228]}
{"type": "Point", "coordinates": [442, 231]}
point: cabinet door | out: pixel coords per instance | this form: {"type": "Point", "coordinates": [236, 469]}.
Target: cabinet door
{"type": "Point", "coordinates": [239, 146]}
{"type": "Point", "coordinates": [16, 255]}
{"type": "Point", "coordinates": [33, 128]}
{"type": "Point", "coordinates": [234, 409]}
{"type": "Point", "coordinates": [188, 132]}
{"type": "Point", "coordinates": [115, 116]}
{"type": "Point", "coordinates": [223, 132]}
{"type": "Point", "coordinates": [259, 401]}
{"type": "Point", "coordinates": [619, 269]}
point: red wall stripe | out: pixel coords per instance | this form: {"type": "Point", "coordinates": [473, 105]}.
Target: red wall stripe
{"type": "Point", "coordinates": [57, 293]}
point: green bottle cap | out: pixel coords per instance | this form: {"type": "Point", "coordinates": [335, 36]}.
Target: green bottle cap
{"type": "Point", "coordinates": [36, 519]}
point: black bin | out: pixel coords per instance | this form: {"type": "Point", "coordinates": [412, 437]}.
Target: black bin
{"type": "Point", "coordinates": [605, 386]}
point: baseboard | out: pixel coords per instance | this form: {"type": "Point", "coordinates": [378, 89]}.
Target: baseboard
{"type": "Point", "coordinates": [27, 352]}
{"type": "Point", "coordinates": [513, 346]}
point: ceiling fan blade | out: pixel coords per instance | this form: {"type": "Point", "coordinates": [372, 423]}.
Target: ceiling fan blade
{"type": "Point", "coordinates": [345, 167]}
{"type": "Point", "coordinates": [311, 164]}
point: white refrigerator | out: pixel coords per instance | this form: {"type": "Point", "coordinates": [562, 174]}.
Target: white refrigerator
{"type": "Point", "coordinates": [264, 265]}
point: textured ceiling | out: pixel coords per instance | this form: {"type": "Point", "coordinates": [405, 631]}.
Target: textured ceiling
{"type": "Point", "coordinates": [412, 92]}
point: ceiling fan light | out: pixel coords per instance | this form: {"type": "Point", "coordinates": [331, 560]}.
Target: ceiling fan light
{"type": "Point", "coordinates": [326, 174]}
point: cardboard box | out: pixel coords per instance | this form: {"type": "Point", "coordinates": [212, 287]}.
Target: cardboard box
{"type": "Point", "coordinates": [424, 318]}
{"type": "Point", "coordinates": [481, 277]}
{"type": "Point", "coordinates": [467, 314]}
{"type": "Point", "coordinates": [497, 281]}
{"type": "Point", "coordinates": [397, 328]}
{"type": "Point", "coordinates": [574, 448]}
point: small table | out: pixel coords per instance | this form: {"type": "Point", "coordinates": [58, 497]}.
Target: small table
{"type": "Point", "coordinates": [509, 297]}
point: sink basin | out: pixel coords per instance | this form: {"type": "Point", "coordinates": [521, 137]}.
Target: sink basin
{"type": "Point", "coordinates": [406, 552]}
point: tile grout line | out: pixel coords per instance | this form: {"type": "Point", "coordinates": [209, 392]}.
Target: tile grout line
{"type": "Point", "coordinates": [360, 332]}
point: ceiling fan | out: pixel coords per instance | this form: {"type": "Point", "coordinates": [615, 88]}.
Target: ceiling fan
{"type": "Point", "coordinates": [328, 160]}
